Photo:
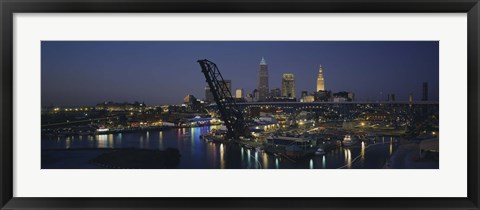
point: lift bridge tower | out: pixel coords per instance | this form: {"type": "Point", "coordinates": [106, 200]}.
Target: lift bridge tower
{"type": "Point", "coordinates": [229, 112]}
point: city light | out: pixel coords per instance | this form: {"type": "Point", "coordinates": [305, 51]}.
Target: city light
{"type": "Point", "coordinates": [302, 119]}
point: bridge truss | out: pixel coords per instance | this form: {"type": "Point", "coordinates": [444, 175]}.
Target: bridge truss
{"type": "Point", "coordinates": [229, 112]}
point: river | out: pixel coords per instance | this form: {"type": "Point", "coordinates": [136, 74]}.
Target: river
{"type": "Point", "coordinates": [198, 154]}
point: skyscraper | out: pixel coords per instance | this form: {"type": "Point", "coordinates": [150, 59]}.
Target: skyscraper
{"type": "Point", "coordinates": [275, 93]}
{"type": "Point", "coordinates": [208, 95]}
{"type": "Point", "coordinates": [320, 81]}
{"type": "Point", "coordinates": [288, 85]}
{"type": "Point", "coordinates": [239, 93]}
{"type": "Point", "coordinates": [425, 92]}
{"type": "Point", "coordinates": [263, 80]}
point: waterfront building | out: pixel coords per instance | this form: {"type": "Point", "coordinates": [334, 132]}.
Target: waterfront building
{"type": "Point", "coordinates": [191, 102]}
{"type": "Point", "coordinates": [288, 85]}
{"type": "Point", "coordinates": [263, 80]}
{"type": "Point", "coordinates": [320, 80]}
{"type": "Point", "coordinates": [425, 92]}
{"type": "Point", "coordinates": [393, 97]}
{"type": "Point", "coordinates": [239, 93]}
{"type": "Point", "coordinates": [189, 99]}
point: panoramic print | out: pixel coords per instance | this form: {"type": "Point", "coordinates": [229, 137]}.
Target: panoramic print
{"type": "Point", "coordinates": [240, 105]}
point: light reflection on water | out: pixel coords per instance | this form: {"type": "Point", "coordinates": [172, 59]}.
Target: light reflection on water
{"type": "Point", "coordinates": [160, 140]}
{"type": "Point", "coordinates": [324, 162]}
{"type": "Point", "coordinates": [197, 153]}
{"type": "Point", "coordinates": [363, 150]}
{"type": "Point", "coordinates": [391, 145]}
{"type": "Point", "coordinates": [265, 160]}
{"type": "Point", "coordinates": [349, 158]}
{"type": "Point", "coordinates": [222, 158]}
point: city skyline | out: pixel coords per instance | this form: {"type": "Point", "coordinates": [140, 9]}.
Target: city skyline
{"type": "Point", "coordinates": [163, 72]}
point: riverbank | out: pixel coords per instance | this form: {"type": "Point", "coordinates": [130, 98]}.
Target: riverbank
{"type": "Point", "coordinates": [99, 158]}
{"type": "Point", "coordinates": [407, 157]}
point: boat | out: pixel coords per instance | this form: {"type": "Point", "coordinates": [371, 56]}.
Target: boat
{"type": "Point", "coordinates": [349, 140]}
{"type": "Point", "coordinates": [320, 151]}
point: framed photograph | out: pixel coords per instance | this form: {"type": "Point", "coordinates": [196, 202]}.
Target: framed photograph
{"type": "Point", "coordinates": [239, 105]}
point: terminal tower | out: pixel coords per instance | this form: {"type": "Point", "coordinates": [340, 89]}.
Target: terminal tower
{"type": "Point", "coordinates": [320, 81]}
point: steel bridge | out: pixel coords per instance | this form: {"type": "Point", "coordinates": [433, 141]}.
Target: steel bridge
{"type": "Point", "coordinates": [347, 110]}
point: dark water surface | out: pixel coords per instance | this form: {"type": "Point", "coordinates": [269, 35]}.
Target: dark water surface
{"type": "Point", "coordinates": [198, 154]}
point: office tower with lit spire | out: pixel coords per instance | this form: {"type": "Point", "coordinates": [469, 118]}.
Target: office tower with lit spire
{"type": "Point", "coordinates": [320, 81]}
{"type": "Point", "coordinates": [263, 89]}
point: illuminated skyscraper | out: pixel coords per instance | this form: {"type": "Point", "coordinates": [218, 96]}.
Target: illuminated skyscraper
{"type": "Point", "coordinates": [263, 80]}
{"type": "Point", "coordinates": [239, 93]}
{"type": "Point", "coordinates": [320, 81]}
{"type": "Point", "coordinates": [288, 85]}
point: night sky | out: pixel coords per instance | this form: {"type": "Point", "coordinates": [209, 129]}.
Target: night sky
{"type": "Point", "coordinates": [84, 73]}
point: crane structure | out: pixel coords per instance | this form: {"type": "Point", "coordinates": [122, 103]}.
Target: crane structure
{"type": "Point", "coordinates": [229, 112]}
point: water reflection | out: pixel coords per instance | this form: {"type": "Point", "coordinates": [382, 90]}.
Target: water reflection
{"type": "Point", "coordinates": [222, 160]}
{"type": "Point", "coordinates": [141, 141]}
{"type": "Point", "coordinates": [110, 141]}
{"type": "Point", "coordinates": [160, 140]}
{"type": "Point", "coordinates": [391, 145]}
{"type": "Point", "coordinates": [192, 141]}
{"type": "Point", "coordinates": [68, 143]}
{"type": "Point", "coordinates": [348, 153]}
{"type": "Point", "coordinates": [256, 160]}
{"type": "Point", "coordinates": [324, 162]}
{"type": "Point", "coordinates": [249, 164]}
{"type": "Point", "coordinates": [363, 150]}
{"type": "Point", "coordinates": [265, 160]}
{"type": "Point", "coordinates": [101, 140]}
{"type": "Point", "coordinates": [197, 153]}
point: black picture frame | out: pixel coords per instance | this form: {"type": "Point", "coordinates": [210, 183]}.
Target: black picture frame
{"type": "Point", "coordinates": [9, 7]}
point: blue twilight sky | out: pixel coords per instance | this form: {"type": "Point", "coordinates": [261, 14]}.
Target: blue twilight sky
{"type": "Point", "coordinates": [163, 72]}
